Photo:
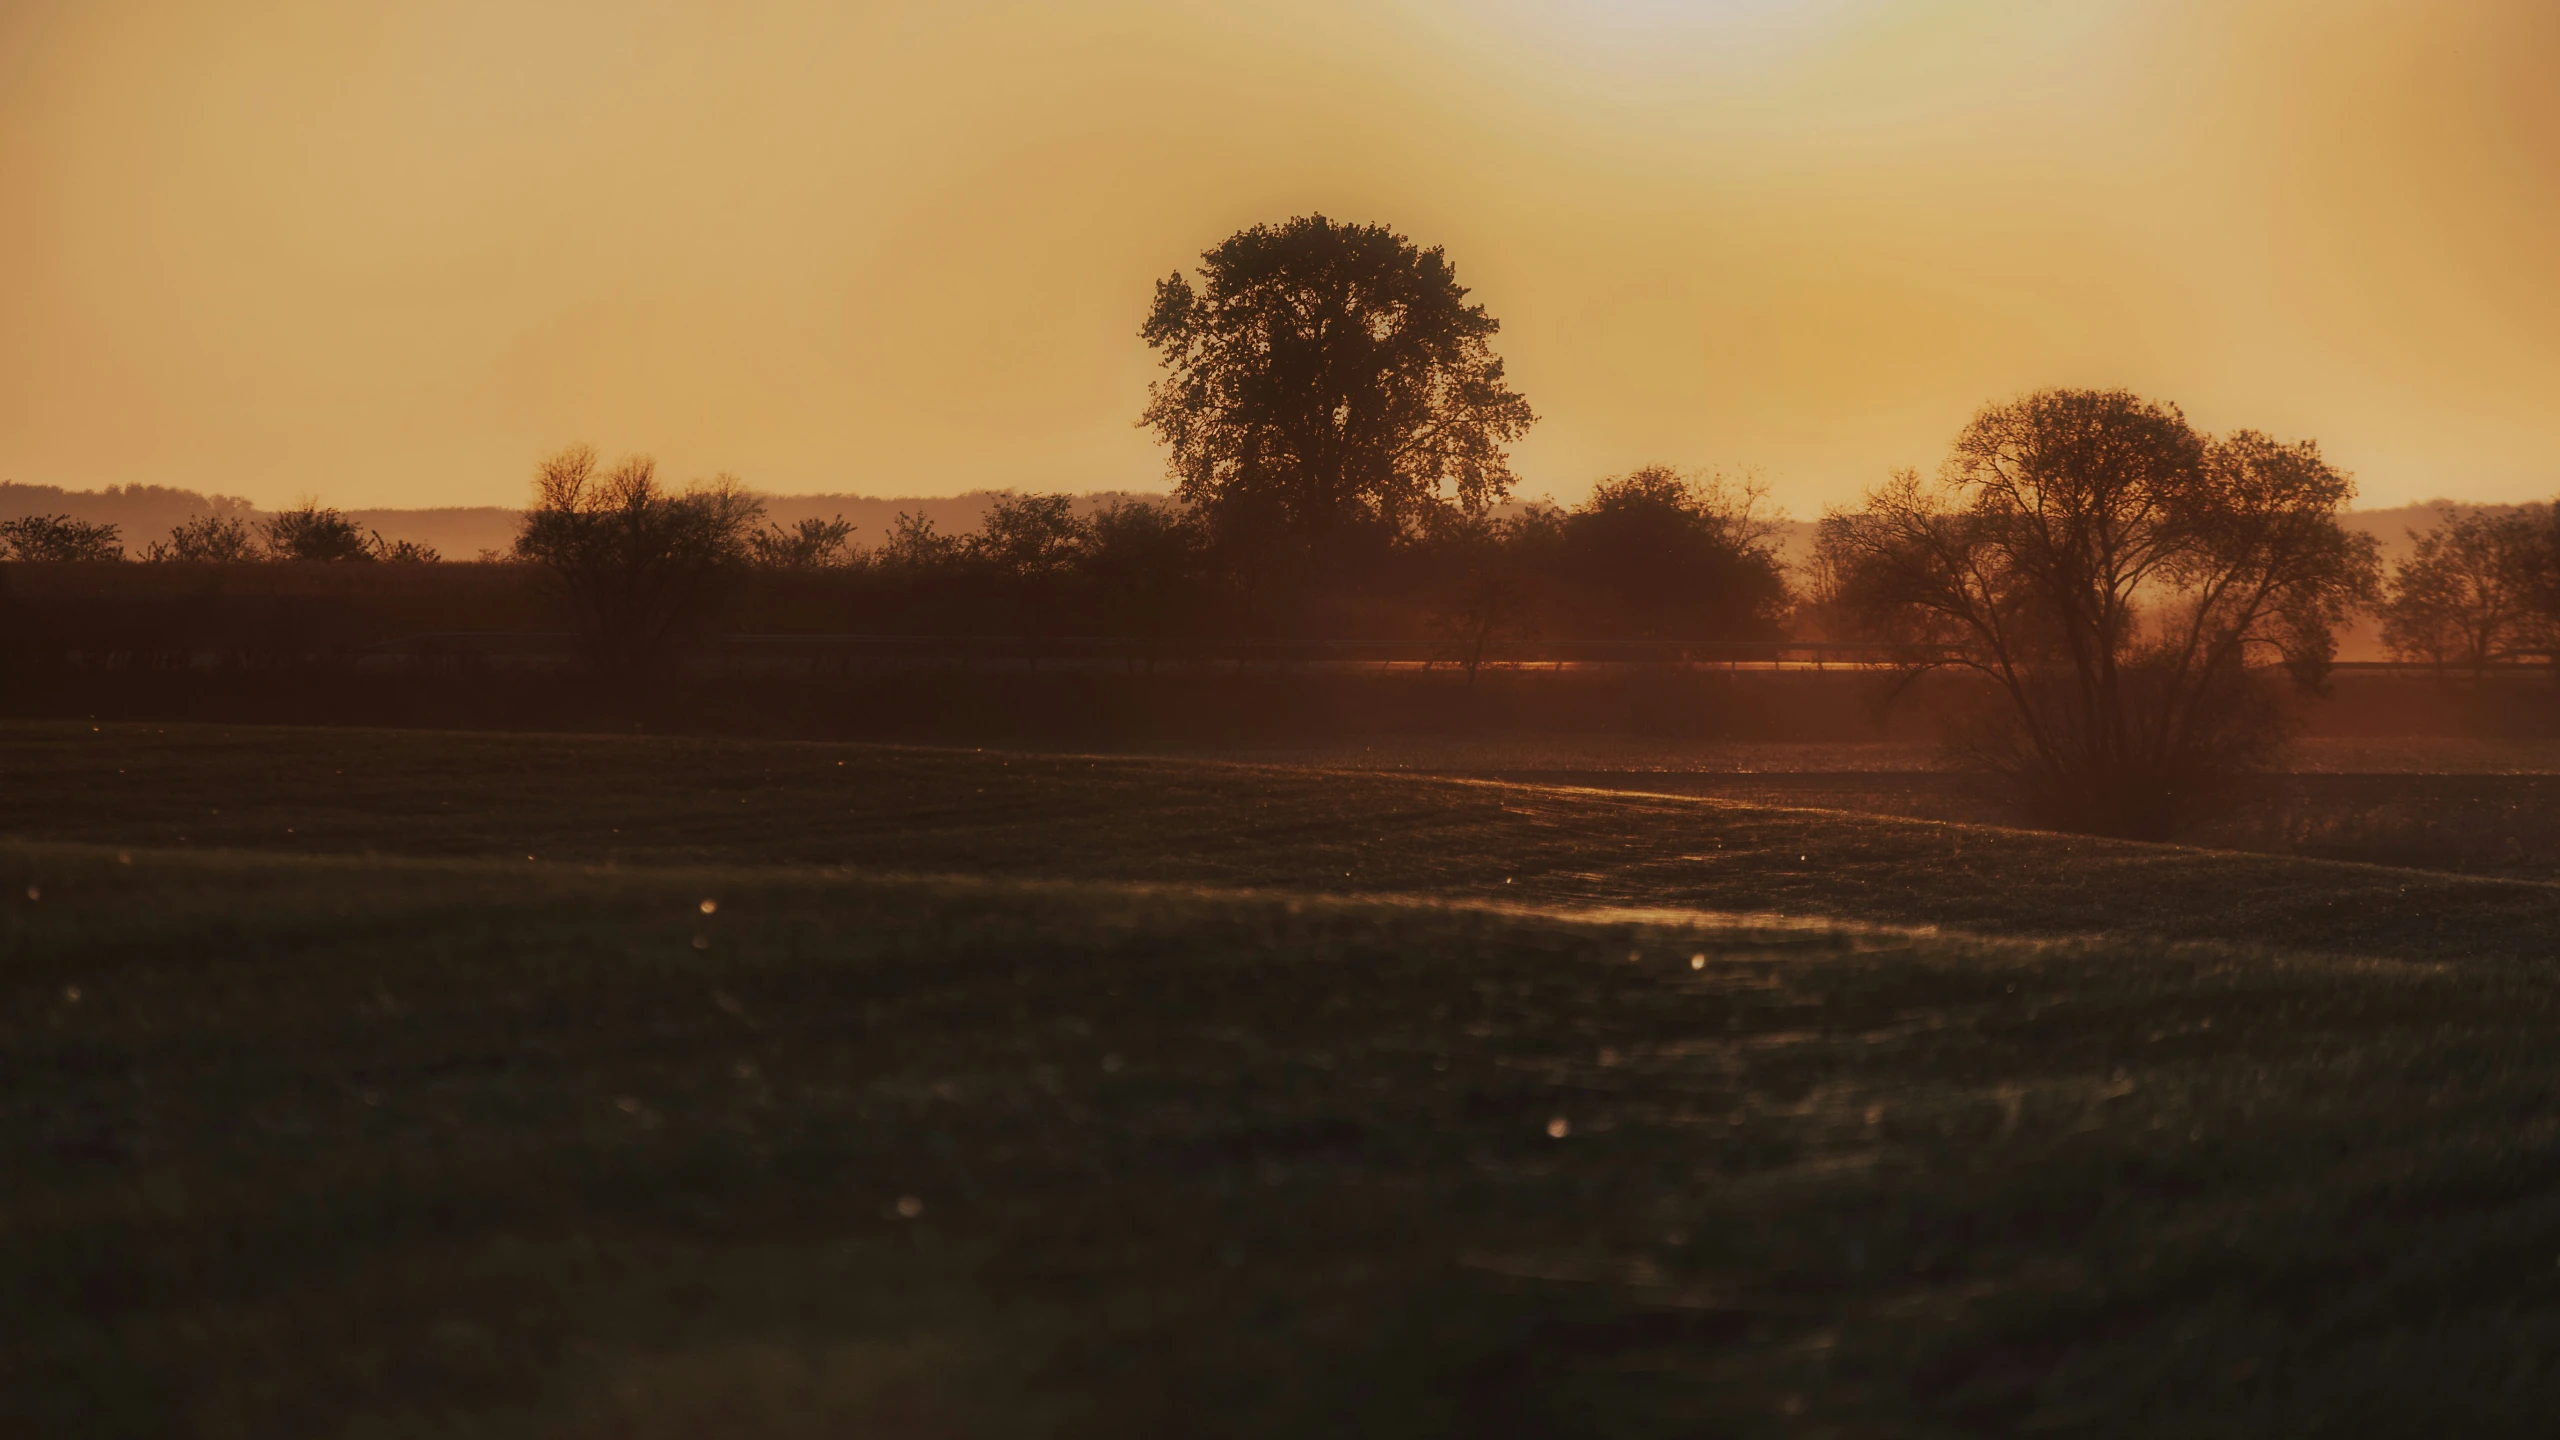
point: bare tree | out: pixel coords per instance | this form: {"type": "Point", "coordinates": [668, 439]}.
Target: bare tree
{"type": "Point", "coordinates": [637, 562]}
{"type": "Point", "coordinates": [2122, 580]}
{"type": "Point", "coordinates": [2465, 596]}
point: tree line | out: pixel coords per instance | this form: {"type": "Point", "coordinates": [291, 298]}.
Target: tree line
{"type": "Point", "coordinates": [1337, 426]}
{"type": "Point", "coordinates": [1654, 554]}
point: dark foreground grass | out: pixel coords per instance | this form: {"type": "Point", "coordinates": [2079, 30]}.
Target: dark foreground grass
{"type": "Point", "coordinates": [304, 1145]}
{"type": "Point", "coordinates": [648, 800]}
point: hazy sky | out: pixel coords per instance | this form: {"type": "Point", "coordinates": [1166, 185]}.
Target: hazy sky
{"type": "Point", "coordinates": [389, 253]}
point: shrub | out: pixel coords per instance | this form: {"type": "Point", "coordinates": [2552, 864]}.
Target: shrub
{"type": "Point", "coordinates": [218, 539]}
{"type": "Point", "coordinates": [637, 563]}
{"type": "Point", "coordinates": [812, 544]}
{"type": "Point", "coordinates": [58, 537]}
{"type": "Point", "coordinates": [315, 532]}
{"type": "Point", "coordinates": [913, 545]}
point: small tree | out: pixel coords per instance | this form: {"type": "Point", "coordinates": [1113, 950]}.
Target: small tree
{"type": "Point", "coordinates": [316, 533]}
{"type": "Point", "coordinates": [1659, 554]}
{"type": "Point", "coordinates": [914, 546]}
{"type": "Point", "coordinates": [207, 539]}
{"type": "Point", "coordinates": [58, 538]}
{"type": "Point", "coordinates": [1481, 586]}
{"type": "Point", "coordinates": [637, 562]}
{"type": "Point", "coordinates": [812, 544]}
{"type": "Point", "coordinates": [2116, 576]}
{"type": "Point", "coordinates": [313, 532]}
{"type": "Point", "coordinates": [1026, 551]}
{"type": "Point", "coordinates": [404, 552]}
{"type": "Point", "coordinates": [2465, 595]}
{"type": "Point", "coordinates": [1030, 537]}
{"type": "Point", "coordinates": [2542, 579]}
{"type": "Point", "coordinates": [1148, 563]}
{"type": "Point", "coordinates": [1329, 378]}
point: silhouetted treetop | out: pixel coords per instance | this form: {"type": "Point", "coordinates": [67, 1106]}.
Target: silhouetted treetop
{"type": "Point", "coordinates": [1326, 378]}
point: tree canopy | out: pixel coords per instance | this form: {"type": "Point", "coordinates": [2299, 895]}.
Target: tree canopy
{"type": "Point", "coordinates": [1670, 556]}
{"type": "Point", "coordinates": [2467, 594]}
{"type": "Point", "coordinates": [1329, 378]}
{"type": "Point", "coordinates": [2116, 574]}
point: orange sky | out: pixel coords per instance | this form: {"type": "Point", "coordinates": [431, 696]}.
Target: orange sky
{"type": "Point", "coordinates": [388, 253]}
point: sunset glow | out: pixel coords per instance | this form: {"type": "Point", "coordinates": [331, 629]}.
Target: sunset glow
{"type": "Point", "coordinates": [390, 254]}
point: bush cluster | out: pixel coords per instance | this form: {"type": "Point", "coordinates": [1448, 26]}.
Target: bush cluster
{"type": "Point", "coordinates": [1652, 555]}
{"type": "Point", "coordinates": [309, 532]}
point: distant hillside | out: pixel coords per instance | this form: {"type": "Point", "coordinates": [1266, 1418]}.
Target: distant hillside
{"type": "Point", "coordinates": [144, 513]}
{"type": "Point", "coordinates": [872, 515]}
{"type": "Point", "coordinates": [2392, 526]}
{"type": "Point", "coordinates": [456, 532]}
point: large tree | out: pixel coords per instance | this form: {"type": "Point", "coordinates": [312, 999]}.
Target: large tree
{"type": "Point", "coordinates": [1327, 379]}
{"type": "Point", "coordinates": [2123, 580]}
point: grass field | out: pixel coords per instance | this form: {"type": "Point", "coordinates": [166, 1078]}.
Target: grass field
{"type": "Point", "coordinates": [369, 1083]}
{"type": "Point", "coordinates": [2474, 824]}
{"type": "Point", "coordinates": [2474, 806]}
